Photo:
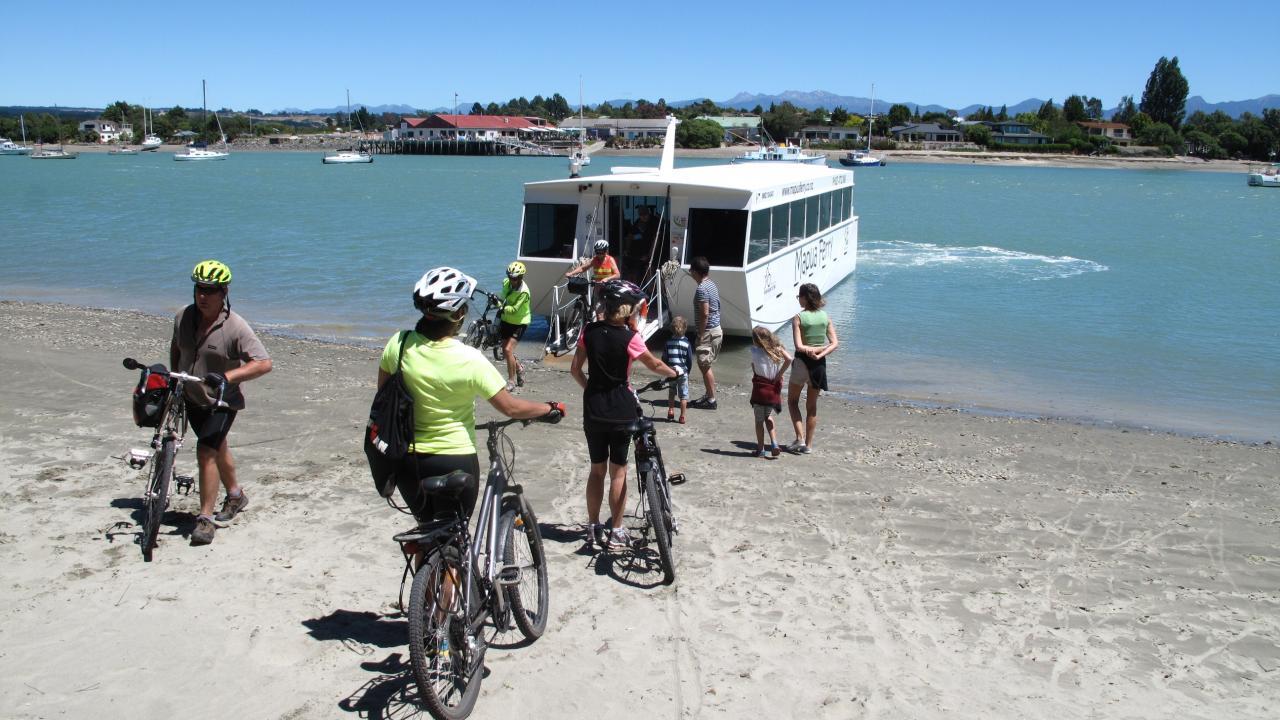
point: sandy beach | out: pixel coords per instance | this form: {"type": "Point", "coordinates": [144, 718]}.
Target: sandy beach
{"type": "Point", "coordinates": [920, 563]}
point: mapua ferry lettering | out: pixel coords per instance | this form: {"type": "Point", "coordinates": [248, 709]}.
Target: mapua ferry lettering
{"type": "Point", "coordinates": [813, 257]}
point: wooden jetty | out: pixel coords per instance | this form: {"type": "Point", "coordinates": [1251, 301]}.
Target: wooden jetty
{"type": "Point", "coordinates": [501, 146]}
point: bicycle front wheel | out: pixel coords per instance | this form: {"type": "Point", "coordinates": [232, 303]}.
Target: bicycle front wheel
{"type": "Point", "coordinates": [446, 667]}
{"type": "Point", "coordinates": [524, 571]}
{"type": "Point", "coordinates": [660, 520]}
{"type": "Point", "coordinates": [574, 318]}
{"type": "Point", "coordinates": [156, 500]}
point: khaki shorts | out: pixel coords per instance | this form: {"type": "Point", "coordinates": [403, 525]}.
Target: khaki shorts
{"type": "Point", "coordinates": [709, 346]}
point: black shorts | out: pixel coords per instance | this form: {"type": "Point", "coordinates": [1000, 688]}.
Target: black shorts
{"type": "Point", "coordinates": [426, 506]}
{"type": "Point", "coordinates": [609, 443]}
{"type": "Point", "coordinates": [210, 427]}
{"type": "Point", "coordinates": [506, 330]}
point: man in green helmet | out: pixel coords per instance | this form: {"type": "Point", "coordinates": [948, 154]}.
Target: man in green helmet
{"type": "Point", "coordinates": [212, 342]}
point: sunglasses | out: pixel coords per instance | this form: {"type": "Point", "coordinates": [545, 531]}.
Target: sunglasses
{"type": "Point", "coordinates": [207, 290]}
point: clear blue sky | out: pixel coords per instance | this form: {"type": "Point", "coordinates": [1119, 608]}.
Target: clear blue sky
{"type": "Point", "coordinates": [270, 55]}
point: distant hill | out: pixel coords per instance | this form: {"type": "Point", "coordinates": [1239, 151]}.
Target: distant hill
{"type": "Point", "coordinates": [1234, 108]}
{"type": "Point", "coordinates": [374, 109]}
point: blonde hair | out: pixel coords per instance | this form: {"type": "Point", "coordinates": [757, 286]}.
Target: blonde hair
{"type": "Point", "coordinates": [762, 338]}
{"type": "Point", "coordinates": [619, 314]}
{"type": "Point", "coordinates": [679, 325]}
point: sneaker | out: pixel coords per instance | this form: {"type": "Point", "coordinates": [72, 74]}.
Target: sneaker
{"type": "Point", "coordinates": [704, 403]}
{"type": "Point", "coordinates": [775, 451]}
{"type": "Point", "coordinates": [619, 538]}
{"type": "Point", "coordinates": [520, 376]}
{"type": "Point", "coordinates": [231, 506]}
{"type": "Point", "coordinates": [203, 534]}
{"type": "Point", "coordinates": [797, 447]}
{"type": "Point", "coordinates": [671, 415]}
{"type": "Point", "coordinates": [511, 387]}
{"type": "Point", "coordinates": [804, 449]}
{"type": "Point", "coordinates": [595, 535]}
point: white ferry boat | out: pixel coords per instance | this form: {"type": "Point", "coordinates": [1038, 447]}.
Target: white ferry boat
{"type": "Point", "coordinates": [780, 153]}
{"type": "Point", "coordinates": [766, 228]}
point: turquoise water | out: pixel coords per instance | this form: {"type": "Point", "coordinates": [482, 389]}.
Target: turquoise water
{"type": "Point", "coordinates": [1144, 298]}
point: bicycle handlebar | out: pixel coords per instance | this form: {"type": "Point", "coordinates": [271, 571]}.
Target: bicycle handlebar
{"type": "Point", "coordinates": [553, 416]}
{"type": "Point", "coordinates": [659, 384]}
{"type": "Point", "coordinates": [218, 403]}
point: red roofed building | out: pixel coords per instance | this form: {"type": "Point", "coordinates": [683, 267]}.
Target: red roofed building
{"type": "Point", "coordinates": [470, 127]}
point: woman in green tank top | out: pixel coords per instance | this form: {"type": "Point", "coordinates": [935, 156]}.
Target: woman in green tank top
{"type": "Point", "coordinates": [815, 338]}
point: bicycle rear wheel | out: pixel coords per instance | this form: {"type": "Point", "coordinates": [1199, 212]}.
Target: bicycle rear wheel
{"type": "Point", "coordinates": [660, 520]}
{"type": "Point", "coordinates": [528, 592]}
{"type": "Point", "coordinates": [475, 334]}
{"type": "Point", "coordinates": [156, 500]}
{"type": "Point", "coordinates": [447, 669]}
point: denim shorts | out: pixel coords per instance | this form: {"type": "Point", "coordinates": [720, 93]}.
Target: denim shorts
{"type": "Point", "coordinates": [679, 389]}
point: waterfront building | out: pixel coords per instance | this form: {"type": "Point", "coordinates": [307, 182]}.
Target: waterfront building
{"type": "Point", "coordinates": [828, 134]}
{"type": "Point", "coordinates": [440, 126]}
{"type": "Point", "coordinates": [930, 136]}
{"type": "Point", "coordinates": [107, 130]}
{"type": "Point", "coordinates": [1013, 132]}
{"type": "Point", "coordinates": [1117, 133]}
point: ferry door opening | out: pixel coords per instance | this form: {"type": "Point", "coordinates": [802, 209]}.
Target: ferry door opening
{"type": "Point", "coordinates": [640, 234]}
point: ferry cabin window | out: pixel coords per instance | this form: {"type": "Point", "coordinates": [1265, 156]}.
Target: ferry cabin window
{"type": "Point", "coordinates": [549, 230]}
{"type": "Point", "coordinates": [758, 247]}
{"type": "Point", "coordinates": [797, 221]}
{"type": "Point", "coordinates": [718, 235]}
{"type": "Point", "coordinates": [780, 227]}
{"type": "Point", "coordinates": [811, 214]}
{"type": "Point", "coordinates": [837, 206]}
{"type": "Point", "coordinates": [824, 210]}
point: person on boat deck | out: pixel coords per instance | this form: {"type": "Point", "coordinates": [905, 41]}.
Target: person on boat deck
{"type": "Point", "coordinates": [640, 245]}
{"type": "Point", "coordinates": [602, 265]}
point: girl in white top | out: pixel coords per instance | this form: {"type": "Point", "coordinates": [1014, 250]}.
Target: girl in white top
{"type": "Point", "coordinates": [769, 363]}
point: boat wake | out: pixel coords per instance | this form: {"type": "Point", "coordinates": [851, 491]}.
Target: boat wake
{"type": "Point", "coordinates": [1027, 266]}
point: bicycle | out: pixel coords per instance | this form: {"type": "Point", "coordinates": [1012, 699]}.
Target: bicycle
{"type": "Point", "coordinates": [482, 333]}
{"type": "Point", "coordinates": [567, 322]}
{"type": "Point", "coordinates": [654, 504]}
{"type": "Point", "coordinates": [167, 440]}
{"type": "Point", "coordinates": [498, 575]}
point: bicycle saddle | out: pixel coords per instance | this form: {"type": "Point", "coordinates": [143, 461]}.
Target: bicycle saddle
{"type": "Point", "coordinates": [641, 424]}
{"type": "Point", "coordinates": [452, 484]}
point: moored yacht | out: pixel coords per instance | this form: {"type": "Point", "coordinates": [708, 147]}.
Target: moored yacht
{"type": "Point", "coordinates": [765, 228]}
{"type": "Point", "coordinates": [781, 153]}
{"type": "Point", "coordinates": [349, 156]}
{"type": "Point", "coordinates": [9, 147]}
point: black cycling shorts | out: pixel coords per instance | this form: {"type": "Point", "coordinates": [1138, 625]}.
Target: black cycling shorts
{"type": "Point", "coordinates": [210, 427]}
{"type": "Point", "coordinates": [507, 330]}
{"type": "Point", "coordinates": [425, 507]}
{"type": "Point", "coordinates": [609, 443]}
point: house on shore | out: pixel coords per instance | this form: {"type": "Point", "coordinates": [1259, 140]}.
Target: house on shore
{"type": "Point", "coordinates": [469, 127]}
{"type": "Point", "coordinates": [108, 130]}
{"type": "Point", "coordinates": [1012, 132]}
{"type": "Point", "coordinates": [928, 136]}
{"type": "Point", "coordinates": [738, 129]}
{"type": "Point", "coordinates": [604, 128]}
{"type": "Point", "coordinates": [1117, 133]}
{"type": "Point", "coordinates": [828, 134]}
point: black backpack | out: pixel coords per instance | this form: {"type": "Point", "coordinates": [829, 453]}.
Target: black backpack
{"type": "Point", "coordinates": [389, 433]}
{"type": "Point", "coordinates": [150, 396]}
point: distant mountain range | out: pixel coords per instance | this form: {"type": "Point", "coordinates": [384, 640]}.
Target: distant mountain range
{"type": "Point", "coordinates": [745, 101]}
{"type": "Point", "coordinates": [862, 106]}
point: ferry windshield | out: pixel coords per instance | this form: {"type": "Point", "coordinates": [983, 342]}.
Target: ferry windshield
{"type": "Point", "coordinates": [718, 235]}
{"type": "Point", "coordinates": [639, 232]}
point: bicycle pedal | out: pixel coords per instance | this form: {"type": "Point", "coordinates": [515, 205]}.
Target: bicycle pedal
{"type": "Point", "coordinates": [509, 575]}
{"type": "Point", "coordinates": [676, 479]}
{"type": "Point", "coordinates": [183, 483]}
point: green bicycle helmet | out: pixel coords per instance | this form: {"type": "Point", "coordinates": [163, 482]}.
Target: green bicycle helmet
{"type": "Point", "coordinates": [211, 272]}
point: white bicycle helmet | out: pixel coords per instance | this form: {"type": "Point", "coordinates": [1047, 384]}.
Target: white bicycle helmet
{"type": "Point", "coordinates": [601, 246]}
{"type": "Point", "coordinates": [443, 291]}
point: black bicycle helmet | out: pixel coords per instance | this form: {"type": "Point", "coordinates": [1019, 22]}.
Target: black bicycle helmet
{"type": "Point", "coordinates": [621, 292]}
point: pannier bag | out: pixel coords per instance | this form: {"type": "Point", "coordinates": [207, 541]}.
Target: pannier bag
{"type": "Point", "coordinates": [390, 430]}
{"type": "Point", "coordinates": [150, 395]}
{"type": "Point", "coordinates": [578, 285]}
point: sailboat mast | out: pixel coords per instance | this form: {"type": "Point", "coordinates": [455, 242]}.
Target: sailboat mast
{"type": "Point", "coordinates": [871, 128]}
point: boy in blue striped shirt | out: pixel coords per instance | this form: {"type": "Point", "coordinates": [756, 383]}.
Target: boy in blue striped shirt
{"type": "Point", "coordinates": [679, 355]}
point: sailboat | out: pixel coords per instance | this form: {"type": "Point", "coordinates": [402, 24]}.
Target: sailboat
{"type": "Point", "coordinates": [351, 155]}
{"type": "Point", "coordinates": [858, 158]}
{"type": "Point", "coordinates": [9, 147]}
{"type": "Point", "coordinates": [58, 153]}
{"type": "Point", "coordinates": [198, 150]}
{"type": "Point", "coordinates": [151, 142]}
